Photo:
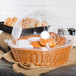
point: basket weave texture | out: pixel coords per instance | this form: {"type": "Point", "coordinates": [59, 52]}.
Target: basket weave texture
{"type": "Point", "coordinates": [52, 57]}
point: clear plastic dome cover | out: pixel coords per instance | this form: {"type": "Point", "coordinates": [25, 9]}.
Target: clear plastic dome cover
{"type": "Point", "coordinates": [29, 23]}
{"type": "Point", "coordinates": [36, 25]}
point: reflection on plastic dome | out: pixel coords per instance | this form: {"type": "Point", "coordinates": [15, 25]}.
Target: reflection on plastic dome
{"type": "Point", "coordinates": [31, 32]}
{"type": "Point", "coordinates": [33, 23]}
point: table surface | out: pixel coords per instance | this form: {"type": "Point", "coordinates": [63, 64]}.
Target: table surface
{"type": "Point", "coordinates": [64, 71]}
{"type": "Point", "coordinates": [6, 69]}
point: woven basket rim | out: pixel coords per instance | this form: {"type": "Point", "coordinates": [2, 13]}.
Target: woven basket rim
{"type": "Point", "coordinates": [49, 50]}
{"type": "Point", "coordinates": [62, 46]}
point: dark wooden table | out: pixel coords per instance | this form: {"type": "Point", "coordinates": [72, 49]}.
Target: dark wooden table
{"type": "Point", "coordinates": [64, 71]}
{"type": "Point", "coordinates": [6, 70]}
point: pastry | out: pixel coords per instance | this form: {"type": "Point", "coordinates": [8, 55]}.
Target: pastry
{"type": "Point", "coordinates": [53, 41]}
{"type": "Point", "coordinates": [50, 41]}
{"type": "Point", "coordinates": [31, 22]}
{"type": "Point", "coordinates": [44, 23]}
{"type": "Point", "coordinates": [28, 23]}
{"type": "Point", "coordinates": [38, 24]}
{"type": "Point", "coordinates": [63, 40]}
{"type": "Point", "coordinates": [60, 41]}
{"type": "Point", "coordinates": [25, 24]}
{"type": "Point", "coordinates": [35, 44]}
{"type": "Point", "coordinates": [10, 21]}
{"type": "Point", "coordinates": [15, 19]}
{"type": "Point", "coordinates": [53, 35]}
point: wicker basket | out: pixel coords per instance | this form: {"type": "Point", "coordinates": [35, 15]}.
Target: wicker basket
{"type": "Point", "coordinates": [53, 57]}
